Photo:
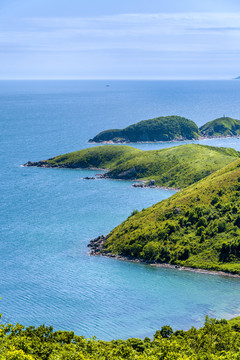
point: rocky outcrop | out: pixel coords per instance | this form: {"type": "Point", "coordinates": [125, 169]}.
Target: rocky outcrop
{"type": "Point", "coordinates": [96, 245]}
{"type": "Point", "coordinates": [150, 183]}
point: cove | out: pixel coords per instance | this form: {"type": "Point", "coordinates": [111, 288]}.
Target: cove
{"type": "Point", "coordinates": [48, 216]}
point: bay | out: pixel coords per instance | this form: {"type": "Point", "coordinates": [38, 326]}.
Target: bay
{"type": "Point", "coordinates": [48, 216]}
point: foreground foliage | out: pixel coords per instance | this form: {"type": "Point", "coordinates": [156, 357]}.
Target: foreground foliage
{"type": "Point", "coordinates": [217, 340]}
{"type": "Point", "coordinates": [197, 227]}
{"type": "Point", "coordinates": [175, 167]}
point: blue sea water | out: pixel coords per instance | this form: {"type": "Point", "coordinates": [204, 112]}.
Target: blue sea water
{"type": "Point", "coordinates": [48, 216]}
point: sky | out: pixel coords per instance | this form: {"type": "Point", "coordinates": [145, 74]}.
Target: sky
{"type": "Point", "coordinates": [127, 39]}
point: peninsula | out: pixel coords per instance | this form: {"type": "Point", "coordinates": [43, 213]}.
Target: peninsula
{"type": "Point", "coordinates": [198, 227]}
{"type": "Point", "coordinates": [169, 128]}
{"type": "Point", "coordinates": [175, 167]}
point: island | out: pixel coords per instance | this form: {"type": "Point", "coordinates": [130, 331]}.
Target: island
{"type": "Point", "coordinates": [222, 127]}
{"type": "Point", "coordinates": [174, 167]}
{"type": "Point", "coordinates": [169, 128]}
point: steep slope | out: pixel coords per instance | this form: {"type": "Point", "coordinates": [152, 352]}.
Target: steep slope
{"type": "Point", "coordinates": [198, 226]}
{"type": "Point", "coordinates": [223, 126]}
{"type": "Point", "coordinates": [173, 167]}
{"type": "Point", "coordinates": [158, 129]}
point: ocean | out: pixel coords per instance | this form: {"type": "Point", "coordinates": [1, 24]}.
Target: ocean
{"type": "Point", "coordinates": [48, 216]}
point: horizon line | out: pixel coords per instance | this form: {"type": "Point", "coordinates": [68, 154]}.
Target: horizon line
{"type": "Point", "coordinates": [118, 79]}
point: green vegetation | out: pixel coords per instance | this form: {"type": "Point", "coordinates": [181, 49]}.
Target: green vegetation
{"type": "Point", "coordinates": [97, 157]}
{"type": "Point", "coordinates": [175, 167]}
{"type": "Point", "coordinates": [158, 129]}
{"type": "Point", "coordinates": [216, 340]}
{"type": "Point", "coordinates": [197, 227]}
{"type": "Point", "coordinates": [170, 128]}
{"type": "Point", "coordinates": [223, 126]}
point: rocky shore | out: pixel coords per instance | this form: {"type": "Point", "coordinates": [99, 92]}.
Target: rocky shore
{"type": "Point", "coordinates": [44, 164]}
{"type": "Point", "coordinates": [96, 245]}
{"type": "Point", "coordinates": [97, 249]}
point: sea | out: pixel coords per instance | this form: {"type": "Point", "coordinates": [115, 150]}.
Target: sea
{"type": "Point", "coordinates": [48, 216]}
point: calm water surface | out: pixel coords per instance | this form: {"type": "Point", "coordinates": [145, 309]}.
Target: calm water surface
{"type": "Point", "coordinates": [48, 216]}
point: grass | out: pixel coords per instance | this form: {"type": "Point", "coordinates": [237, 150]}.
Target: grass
{"type": "Point", "coordinates": [224, 126]}
{"type": "Point", "coordinates": [175, 167]}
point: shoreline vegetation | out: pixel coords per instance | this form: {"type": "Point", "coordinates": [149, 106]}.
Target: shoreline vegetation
{"type": "Point", "coordinates": [169, 128]}
{"type": "Point", "coordinates": [97, 249]}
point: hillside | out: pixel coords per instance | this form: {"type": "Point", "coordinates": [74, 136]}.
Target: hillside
{"type": "Point", "coordinates": [223, 126]}
{"type": "Point", "coordinates": [158, 129]}
{"type": "Point", "coordinates": [175, 167]}
{"type": "Point", "coordinates": [197, 227]}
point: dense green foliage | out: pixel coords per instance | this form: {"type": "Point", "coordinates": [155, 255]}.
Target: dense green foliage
{"type": "Point", "coordinates": [223, 126]}
{"type": "Point", "coordinates": [170, 128]}
{"type": "Point", "coordinates": [217, 340]}
{"type": "Point", "coordinates": [158, 129]}
{"type": "Point", "coordinates": [173, 167]}
{"type": "Point", "coordinates": [197, 227]}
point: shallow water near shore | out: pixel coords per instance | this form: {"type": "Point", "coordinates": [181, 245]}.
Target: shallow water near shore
{"type": "Point", "coordinates": [48, 216]}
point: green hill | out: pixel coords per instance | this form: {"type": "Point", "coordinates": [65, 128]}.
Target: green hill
{"type": "Point", "coordinates": [223, 126]}
{"type": "Point", "coordinates": [197, 227]}
{"type": "Point", "coordinates": [158, 129]}
{"type": "Point", "coordinates": [175, 167]}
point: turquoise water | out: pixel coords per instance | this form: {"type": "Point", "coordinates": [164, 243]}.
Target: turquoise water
{"type": "Point", "coordinates": [48, 216]}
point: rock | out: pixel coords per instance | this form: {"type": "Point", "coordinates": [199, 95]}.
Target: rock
{"type": "Point", "coordinates": [96, 245]}
{"type": "Point", "coordinates": [128, 174]}
{"type": "Point", "coordinates": [151, 183]}
{"type": "Point", "coordinates": [137, 185]}
{"type": "Point", "coordinates": [89, 178]}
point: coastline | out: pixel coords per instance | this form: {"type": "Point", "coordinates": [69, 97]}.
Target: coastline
{"type": "Point", "coordinates": [111, 142]}
{"type": "Point", "coordinates": [96, 246]}
{"type": "Point", "coordinates": [169, 266]}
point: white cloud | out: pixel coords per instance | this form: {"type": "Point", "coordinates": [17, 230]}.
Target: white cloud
{"type": "Point", "coordinates": [156, 32]}
{"type": "Point", "coordinates": [128, 41]}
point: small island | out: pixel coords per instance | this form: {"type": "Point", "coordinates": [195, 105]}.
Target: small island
{"type": "Point", "coordinates": [222, 127]}
{"type": "Point", "coordinates": [169, 128]}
